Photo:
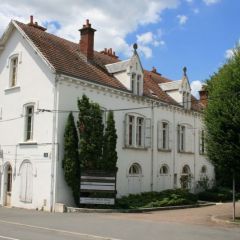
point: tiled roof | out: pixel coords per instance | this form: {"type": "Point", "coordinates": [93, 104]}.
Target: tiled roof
{"type": "Point", "coordinates": [67, 59]}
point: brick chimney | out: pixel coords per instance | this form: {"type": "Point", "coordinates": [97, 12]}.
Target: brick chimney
{"type": "Point", "coordinates": [35, 24]}
{"type": "Point", "coordinates": [87, 40]}
{"type": "Point", "coordinates": [203, 96]}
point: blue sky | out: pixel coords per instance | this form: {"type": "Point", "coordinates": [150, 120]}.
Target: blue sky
{"type": "Point", "coordinates": [170, 34]}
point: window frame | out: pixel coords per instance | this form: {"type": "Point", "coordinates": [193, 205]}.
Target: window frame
{"type": "Point", "coordinates": [13, 83]}
{"type": "Point", "coordinates": [164, 173]}
{"type": "Point", "coordinates": [181, 136]}
{"type": "Point", "coordinates": [137, 167]}
{"type": "Point", "coordinates": [26, 119]}
{"type": "Point", "coordinates": [164, 135]}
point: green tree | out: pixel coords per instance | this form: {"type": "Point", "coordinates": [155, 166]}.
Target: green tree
{"type": "Point", "coordinates": [70, 161]}
{"type": "Point", "coordinates": [110, 157]}
{"type": "Point", "coordinates": [222, 119]}
{"type": "Point", "coordinates": [91, 134]}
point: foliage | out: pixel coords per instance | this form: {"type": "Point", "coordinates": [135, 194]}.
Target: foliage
{"type": "Point", "coordinates": [91, 134]}
{"type": "Point", "coordinates": [70, 161]}
{"type": "Point", "coordinates": [169, 197]}
{"type": "Point", "coordinates": [222, 118]}
{"type": "Point", "coordinates": [217, 194]}
{"type": "Point", "coordinates": [109, 160]}
{"type": "Point", "coordinates": [185, 180]}
{"type": "Point", "coordinates": [203, 183]}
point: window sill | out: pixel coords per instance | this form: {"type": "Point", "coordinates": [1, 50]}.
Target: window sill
{"type": "Point", "coordinates": [164, 150]}
{"type": "Point", "coordinates": [135, 148]}
{"type": "Point", "coordinates": [27, 143]}
{"type": "Point", "coordinates": [12, 89]}
{"type": "Point", "coordinates": [184, 152]}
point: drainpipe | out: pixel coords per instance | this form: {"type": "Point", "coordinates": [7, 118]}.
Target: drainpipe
{"type": "Point", "coordinates": [174, 145]}
{"type": "Point", "coordinates": [54, 149]}
{"type": "Point", "coordinates": [152, 145]}
{"type": "Point", "coordinates": [195, 153]}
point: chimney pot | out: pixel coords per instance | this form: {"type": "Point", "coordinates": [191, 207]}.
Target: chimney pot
{"type": "Point", "coordinates": [87, 40]}
{"type": "Point", "coordinates": [31, 19]}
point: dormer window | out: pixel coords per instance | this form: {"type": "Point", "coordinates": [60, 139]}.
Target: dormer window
{"type": "Point", "coordinates": [13, 71]}
{"type": "Point", "coordinates": [138, 84]}
{"type": "Point", "coordinates": [133, 82]}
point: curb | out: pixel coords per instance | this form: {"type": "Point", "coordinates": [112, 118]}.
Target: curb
{"type": "Point", "coordinates": [217, 219]}
{"type": "Point", "coordinates": [139, 210]}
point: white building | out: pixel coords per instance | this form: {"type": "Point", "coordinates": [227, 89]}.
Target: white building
{"type": "Point", "coordinates": [159, 124]}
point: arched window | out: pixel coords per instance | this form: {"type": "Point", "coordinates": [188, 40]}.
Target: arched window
{"type": "Point", "coordinates": [135, 169]}
{"type": "Point", "coordinates": [26, 179]}
{"type": "Point", "coordinates": [186, 170]}
{"type": "Point", "coordinates": [164, 169]}
{"type": "Point", "coordinates": [185, 178]}
{"type": "Point", "coordinates": [204, 169]}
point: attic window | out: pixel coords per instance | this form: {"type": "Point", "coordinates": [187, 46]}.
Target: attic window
{"type": "Point", "coordinates": [13, 71]}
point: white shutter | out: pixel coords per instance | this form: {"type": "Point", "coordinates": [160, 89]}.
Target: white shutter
{"type": "Point", "coordinates": [189, 140]}
{"type": "Point", "coordinates": [29, 183]}
{"type": "Point", "coordinates": [23, 182]}
{"type": "Point", "coordinates": [200, 141]}
{"type": "Point", "coordinates": [125, 133]}
{"type": "Point", "coordinates": [159, 134]}
{"type": "Point", "coordinates": [170, 136]}
{"type": "Point", "coordinates": [148, 131]}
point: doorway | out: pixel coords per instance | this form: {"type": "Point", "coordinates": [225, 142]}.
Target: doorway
{"type": "Point", "coordinates": [8, 185]}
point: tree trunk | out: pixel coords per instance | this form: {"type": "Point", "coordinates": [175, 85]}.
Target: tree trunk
{"type": "Point", "coordinates": [234, 212]}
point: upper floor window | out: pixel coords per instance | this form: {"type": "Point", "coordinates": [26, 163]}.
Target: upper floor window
{"type": "Point", "coordinates": [13, 71]}
{"type": "Point", "coordinates": [137, 131]}
{"type": "Point", "coordinates": [29, 115]}
{"type": "Point", "coordinates": [181, 138]}
{"type": "Point", "coordinates": [202, 145]}
{"type": "Point", "coordinates": [133, 80]}
{"type": "Point", "coordinates": [163, 135]}
{"type": "Point", "coordinates": [138, 84]}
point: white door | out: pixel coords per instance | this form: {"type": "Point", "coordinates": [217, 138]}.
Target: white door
{"type": "Point", "coordinates": [134, 184]}
{"type": "Point", "coordinates": [164, 182]}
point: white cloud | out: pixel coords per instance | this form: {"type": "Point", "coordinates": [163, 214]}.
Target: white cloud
{"type": "Point", "coordinates": [112, 20]}
{"type": "Point", "coordinates": [182, 19]}
{"type": "Point", "coordinates": [229, 53]}
{"type": "Point", "coordinates": [210, 2]}
{"type": "Point", "coordinates": [196, 86]}
{"type": "Point", "coordinates": [145, 38]}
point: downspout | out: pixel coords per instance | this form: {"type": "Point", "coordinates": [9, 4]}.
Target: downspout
{"type": "Point", "coordinates": [195, 153]}
{"type": "Point", "coordinates": [174, 147]}
{"type": "Point", "coordinates": [54, 148]}
{"type": "Point", "coordinates": [152, 146]}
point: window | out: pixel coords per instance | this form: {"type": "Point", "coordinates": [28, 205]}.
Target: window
{"type": "Point", "coordinates": [29, 114]}
{"type": "Point", "coordinates": [163, 135]}
{"type": "Point", "coordinates": [186, 177]}
{"type": "Point", "coordinates": [181, 138]}
{"type": "Point", "coordinates": [135, 169]}
{"type": "Point", "coordinates": [164, 170]}
{"type": "Point", "coordinates": [203, 170]}
{"type": "Point", "coordinates": [133, 82]}
{"type": "Point", "coordinates": [202, 145]}
{"type": "Point", "coordinates": [139, 135]}
{"type": "Point", "coordinates": [130, 130]}
{"type": "Point", "coordinates": [13, 71]}
{"type": "Point", "coordinates": [137, 131]}
{"type": "Point", "coordinates": [138, 84]}
{"type": "Point", "coordinates": [26, 182]}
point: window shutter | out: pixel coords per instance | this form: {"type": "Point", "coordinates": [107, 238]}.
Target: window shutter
{"type": "Point", "coordinates": [200, 141]}
{"type": "Point", "coordinates": [148, 131]}
{"type": "Point", "coordinates": [159, 134]}
{"type": "Point", "coordinates": [23, 182]}
{"type": "Point", "coordinates": [29, 183]}
{"type": "Point", "coordinates": [126, 134]}
{"type": "Point", "coordinates": [189, 138]}
{"type": "Point", "coordinates": [170, 136]}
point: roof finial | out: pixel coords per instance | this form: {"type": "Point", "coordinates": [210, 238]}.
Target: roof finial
{"type": "Point", "coordinates": [185, 71]}
{"type": "Point", "coordinates": [135, 46]}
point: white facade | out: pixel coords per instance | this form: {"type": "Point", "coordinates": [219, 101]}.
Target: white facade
{"type": "Point", "coordinates": [34, 161]}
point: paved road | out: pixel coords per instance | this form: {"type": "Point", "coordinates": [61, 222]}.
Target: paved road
{"type": "Point", "coordinates": [19, 224]}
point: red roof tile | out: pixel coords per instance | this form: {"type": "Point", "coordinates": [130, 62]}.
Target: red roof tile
{"type": "Point", "coordinates": [66, 58]}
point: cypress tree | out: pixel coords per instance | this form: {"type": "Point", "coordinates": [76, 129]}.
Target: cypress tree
{"type": "Point", "coordinates": [110, 157]}
{"type": "Point", "coordinates": [91, 134]}
{"type": "Point", "coordinates": [70, 161]}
